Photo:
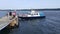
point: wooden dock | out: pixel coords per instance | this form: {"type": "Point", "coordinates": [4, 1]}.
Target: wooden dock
{"type": "Point", "coordinates": [5, 21]}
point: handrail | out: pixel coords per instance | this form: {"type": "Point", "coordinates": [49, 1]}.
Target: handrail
{"type": "Point", "coordinates": [13, 19]}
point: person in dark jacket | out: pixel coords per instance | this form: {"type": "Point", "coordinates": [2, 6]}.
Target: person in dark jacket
{"type": "Point", "coordinates": [10, 13]}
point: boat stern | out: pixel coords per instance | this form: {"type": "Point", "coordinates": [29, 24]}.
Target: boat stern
{"type": "Point", "coordinates": [42, 14]}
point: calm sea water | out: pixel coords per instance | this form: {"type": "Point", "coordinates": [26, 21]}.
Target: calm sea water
{"type": "Point", "coordinates": [48, 25]}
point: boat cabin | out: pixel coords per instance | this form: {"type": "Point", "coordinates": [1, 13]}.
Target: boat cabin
{"type": "Point", "coordinates": [33, 13]}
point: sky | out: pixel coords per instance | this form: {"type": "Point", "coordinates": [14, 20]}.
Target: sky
{"type": "Point", "coordinates": [29, 4]}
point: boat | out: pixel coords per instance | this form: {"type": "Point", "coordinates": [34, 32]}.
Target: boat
{"type": "Point", "coordinates": [32, 14]}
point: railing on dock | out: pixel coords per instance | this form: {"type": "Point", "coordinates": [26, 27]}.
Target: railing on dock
{"type": "Point", "coordinates": [5, 21]}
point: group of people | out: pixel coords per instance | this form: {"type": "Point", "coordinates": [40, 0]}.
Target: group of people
{"type": "Point", "coordinates": [12, 14]}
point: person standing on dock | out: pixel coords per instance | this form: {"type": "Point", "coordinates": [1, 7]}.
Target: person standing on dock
{"type": "Point", "coordinates": [14, 14]}
{"type": "Point", "coordinates": [10, 15]}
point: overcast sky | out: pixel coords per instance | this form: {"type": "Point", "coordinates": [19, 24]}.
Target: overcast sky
{"type": "Point", "coordinates": [25, 4]}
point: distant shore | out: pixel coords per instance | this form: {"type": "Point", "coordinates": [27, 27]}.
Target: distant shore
{"type": "Point", "coordinates": [27, 9]}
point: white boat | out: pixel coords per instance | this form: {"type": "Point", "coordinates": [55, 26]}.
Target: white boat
{"type": "Point", "coordinates": [32, 14]}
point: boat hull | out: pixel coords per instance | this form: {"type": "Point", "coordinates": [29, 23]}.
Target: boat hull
{"type": "Point", "coordinates": [31, 17]}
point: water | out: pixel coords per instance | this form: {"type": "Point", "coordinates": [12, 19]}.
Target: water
{"type": "Point", "coordinates": [3, 13]}
{"type": "Point", "coordinates": [48, 25]}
